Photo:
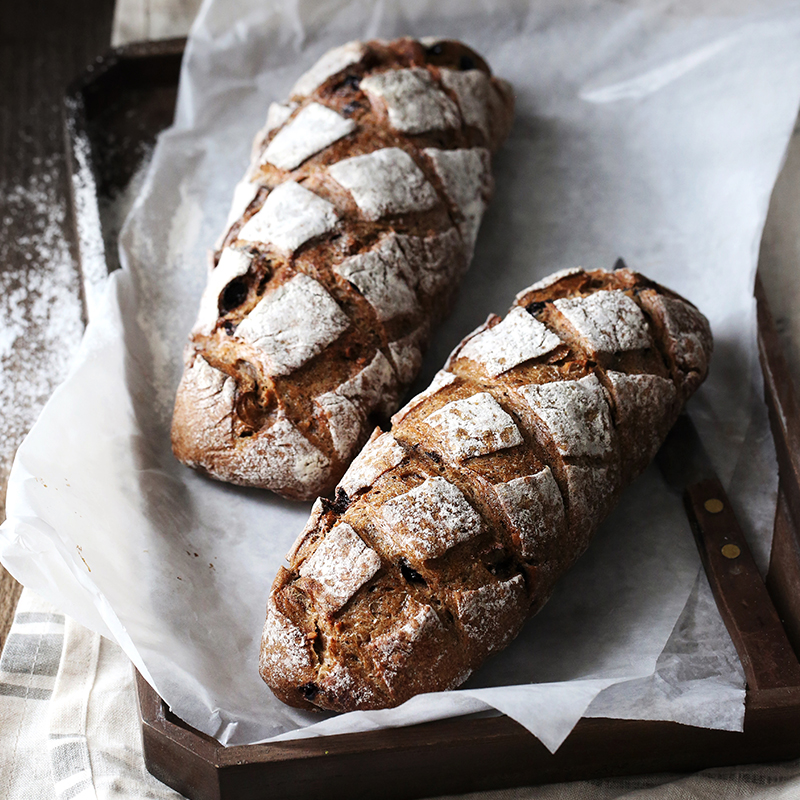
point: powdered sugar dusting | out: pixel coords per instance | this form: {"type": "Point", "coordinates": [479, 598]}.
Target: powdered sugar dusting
{"type": "Point", "coordinates": [414, 102]}
{"type": "Point", "coordinates": [576, 414]}
{"type": "Point", "coordinates": [534, 506]}
{"type": "Point", "coordinates": [608, 321]}
{"type": "Point", "coordinates": [347, 407]}
{"type": "Point", "coordinates": [428, 520]}
{"type": "Point", "coordinates": [292, 324]}
{"type": "Point", "coordinates": [339, 567]}
{"type": "Point", "coordinates": [518, 338]}
{"type": "Point", "coordinates": [474, 426]}
{"type": "Point", "coordinates": [378, 457]}
{"type": "Point", "coordinates": [385, 182]}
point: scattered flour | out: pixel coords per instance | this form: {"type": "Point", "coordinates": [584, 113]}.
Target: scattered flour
{"type": "Point", "coordinates": [93, 266]}
{"type": "Point", "coordinates": [40, 308]}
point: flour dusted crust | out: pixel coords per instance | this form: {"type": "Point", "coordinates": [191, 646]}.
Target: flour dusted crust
{"type": "Point", "coordinates": [338, 567]}
{"type": "Point", "coordinates": [347, 407]}
{"type": "Point", "coordinates": [313, 129]}
{"type": "Point", "coordinates": [519, 337]}
{"type": "Point", "coordinates": [534, 508]}
{"type": "Point", "coordinates": [414, 101]}
{"type": "Point", "coordinates": [467, 180]}
{"type": "Point", "coordinates": [575, 413]}
{"type": "Point", "coordinates": [331, 63]}
{"type": "Point", "coordinates": [607, 321]}
{"type": "Point", "coordinates": [232, 264]}
{"type": "Point", "coordinates": [380, 454]}
{"type": "Point", "coordinates": [384, 277]}
{"type": "Point", "coordinates": [427, 521]}
{"type": "Point", "coordinates": [385, 182]}
{"type": "Point", "coordinates": [488, 487]}
{"type": "Point", "coordinates": [292, 324]}
{"type": "Point", "coordinates": [345, 243]}
{"type": "Point", "coordinates": [476, 98]}
{"type": "Point", "coordinates": [474, 426]}
{"type": "Point", "coordinates": [407, 351]}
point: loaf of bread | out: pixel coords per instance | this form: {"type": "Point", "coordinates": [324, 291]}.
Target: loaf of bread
{"type": "Point", "coordinates": [345, 242]}
{"type": "Point", "coordinates": [448, 531]}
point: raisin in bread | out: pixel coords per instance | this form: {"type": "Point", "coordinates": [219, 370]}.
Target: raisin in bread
{"type": "Point", "coordinates": [345, 242]}
{"type": "Point", "coordinates": [449, 530]}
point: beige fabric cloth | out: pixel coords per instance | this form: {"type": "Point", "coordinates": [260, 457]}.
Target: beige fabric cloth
{"type": "Point", "coordinates": [69, 725]}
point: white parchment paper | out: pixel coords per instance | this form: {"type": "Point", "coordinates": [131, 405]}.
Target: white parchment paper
{"type": "Point", "coordinates": [652, 131]}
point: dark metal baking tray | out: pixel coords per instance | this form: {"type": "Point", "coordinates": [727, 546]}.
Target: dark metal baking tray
{"type": "Point", "coordinates": [119, 106]}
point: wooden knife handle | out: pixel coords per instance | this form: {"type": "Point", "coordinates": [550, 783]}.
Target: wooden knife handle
{"type": "Point", "coordinates": [742, 598]}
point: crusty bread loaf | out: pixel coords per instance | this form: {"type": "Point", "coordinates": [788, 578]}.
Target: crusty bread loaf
{"type": "Point", "coordinates": [344, 244]}
{"type": "Point", "coordinates": [449, 530]}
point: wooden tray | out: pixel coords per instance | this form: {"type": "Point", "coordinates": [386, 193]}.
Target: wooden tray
{"type": "Point", "coordinates": [119, 106]}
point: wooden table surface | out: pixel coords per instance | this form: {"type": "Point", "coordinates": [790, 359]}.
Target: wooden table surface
{"type": "Point", "coordinates": [43, 46]}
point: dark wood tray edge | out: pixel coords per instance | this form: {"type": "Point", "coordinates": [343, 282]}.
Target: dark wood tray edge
{"type": "Point", "coordinates": [457, 755]}
{"type": "Point", "coordinates": [140, 63]}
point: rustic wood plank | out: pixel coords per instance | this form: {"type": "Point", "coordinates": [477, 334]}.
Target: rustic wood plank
{"type": "Point", "coordinates": [42, 47]}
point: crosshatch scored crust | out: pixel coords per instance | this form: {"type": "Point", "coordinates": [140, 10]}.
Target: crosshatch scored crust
{"type": "Point", "coordinates": [344, 245]}
{"type": "Point", "coordinates": [489, 486]}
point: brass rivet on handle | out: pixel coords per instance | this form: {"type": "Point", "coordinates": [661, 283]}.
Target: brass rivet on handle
{"type": "Point", "coordinates": [731, 551]}
{"type": "Point", "coordinates": [713, 506]}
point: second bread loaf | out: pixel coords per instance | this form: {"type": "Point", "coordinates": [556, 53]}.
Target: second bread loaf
{"type": "Point", "coordinates": [450, 529]}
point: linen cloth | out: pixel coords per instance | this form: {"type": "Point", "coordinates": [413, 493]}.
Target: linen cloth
{"type": "Point", "coordinates": [69, 725]}
{"type": "Point", "coordinates": [69, 729]}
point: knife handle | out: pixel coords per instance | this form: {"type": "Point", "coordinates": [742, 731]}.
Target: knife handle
{"type": "Point", "coordinates": [742, 598]}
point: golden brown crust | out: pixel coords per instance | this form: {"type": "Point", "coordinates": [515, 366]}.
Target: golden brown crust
{"type": "Point", "coordinates": [486, 489]}
{"type": "Point", "coordinates": [347, 239]}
